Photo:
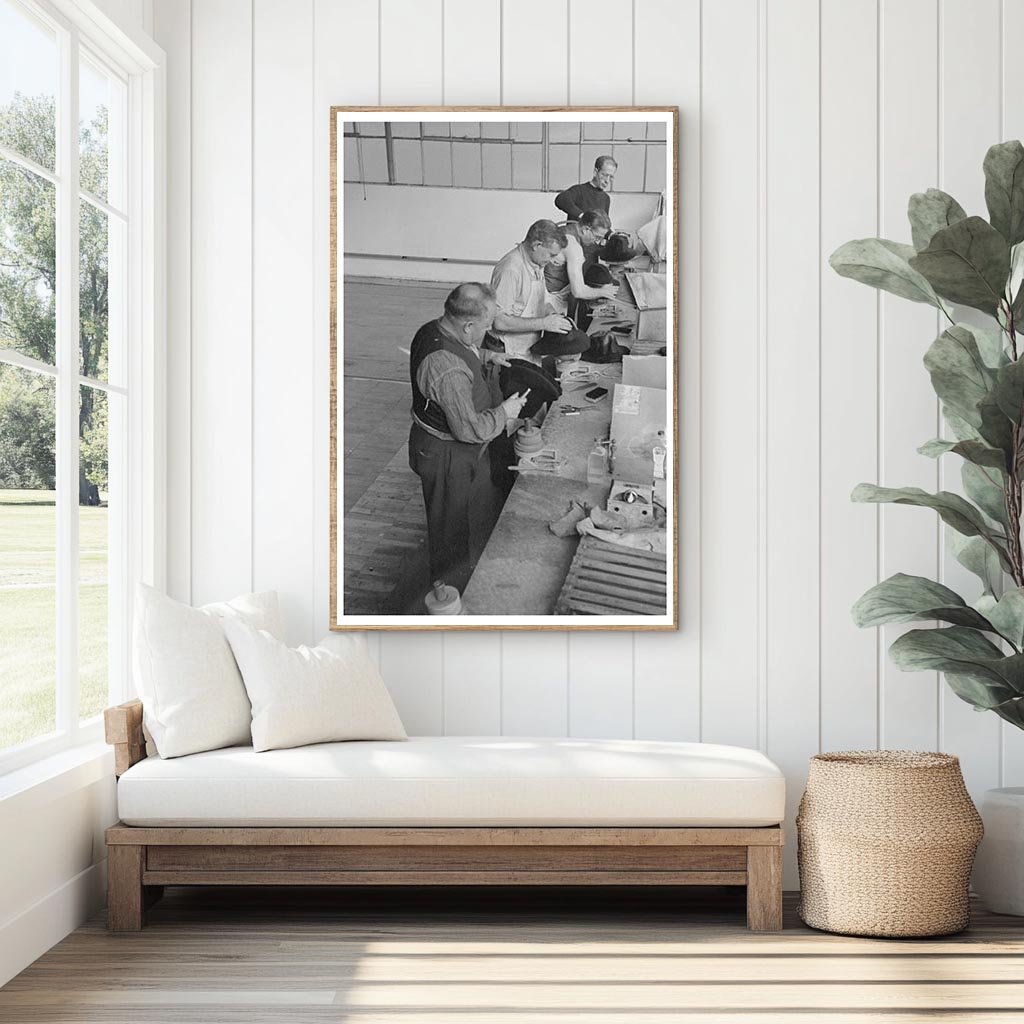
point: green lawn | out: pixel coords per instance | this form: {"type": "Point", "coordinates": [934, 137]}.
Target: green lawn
{"type": "Point", "coordinates": [28, 617]}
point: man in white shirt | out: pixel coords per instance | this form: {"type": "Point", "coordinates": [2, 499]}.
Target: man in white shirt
{"type": "Point", "coordinates": [526, 325]}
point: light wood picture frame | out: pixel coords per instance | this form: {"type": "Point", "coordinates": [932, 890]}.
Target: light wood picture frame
{"type": "Point", "coordinates": [583, 532]}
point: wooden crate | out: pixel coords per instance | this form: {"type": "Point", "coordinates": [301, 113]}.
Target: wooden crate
{"type": "Point", "coordinates": [609, 579]}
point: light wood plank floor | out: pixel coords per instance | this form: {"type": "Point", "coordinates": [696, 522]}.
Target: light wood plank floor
{"type": "Point", "coordinates": [507, 957]}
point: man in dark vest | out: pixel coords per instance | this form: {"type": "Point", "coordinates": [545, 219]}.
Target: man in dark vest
{"type": "Point", "coordinates": [457, 410]}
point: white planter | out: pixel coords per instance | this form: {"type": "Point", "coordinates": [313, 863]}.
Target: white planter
{"type": "Point", "coordinates": [999, 866]}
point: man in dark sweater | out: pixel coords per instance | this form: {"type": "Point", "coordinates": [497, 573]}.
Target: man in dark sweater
{"type": "Point", "coordinates": [589, 195]}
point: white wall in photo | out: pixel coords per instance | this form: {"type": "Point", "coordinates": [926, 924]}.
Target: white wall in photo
{"type": "Point", "coordinates": [388, 226]}
{"type": "Point", "coordinates": [803, 123]}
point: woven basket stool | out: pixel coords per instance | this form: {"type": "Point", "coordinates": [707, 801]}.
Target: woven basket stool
{"type": "Point", "coordinates": [885, 842]}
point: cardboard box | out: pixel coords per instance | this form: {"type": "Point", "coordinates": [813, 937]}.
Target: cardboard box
{"type": "Point", "coordinates": [647, 371]}
{"type": "Point", "coordinates": [639, 419]}
{"type": "Point", "coordinates": [650, 293]}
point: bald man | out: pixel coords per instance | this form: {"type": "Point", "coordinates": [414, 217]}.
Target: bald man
{"type": "Point", "coordinates": [590, 195]}
{"type": "Point", "coordinates": [457, 410]}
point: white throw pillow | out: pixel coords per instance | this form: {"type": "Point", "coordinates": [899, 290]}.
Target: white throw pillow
{"type": "Point", "coordinates": [309, 694]}
{"type": "Point", "coordinates": [192, 693]}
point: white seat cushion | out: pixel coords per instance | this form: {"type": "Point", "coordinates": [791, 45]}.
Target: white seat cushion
{"type": "Point", "coordinates": [459, 780]}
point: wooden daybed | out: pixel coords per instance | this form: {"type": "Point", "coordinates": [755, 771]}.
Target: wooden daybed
{"type": "Point", "coordinates": [144, 858]}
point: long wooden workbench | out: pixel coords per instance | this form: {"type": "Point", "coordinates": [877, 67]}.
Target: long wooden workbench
{"type": "Point", "coordinates": [524, 564]}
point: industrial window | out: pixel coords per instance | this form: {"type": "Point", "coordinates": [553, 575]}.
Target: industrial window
{"type": "Point", "coordinates": [530, 156]}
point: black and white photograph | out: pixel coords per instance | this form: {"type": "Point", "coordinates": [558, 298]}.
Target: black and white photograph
{"type": "Point", "coordinates": [504, 353]}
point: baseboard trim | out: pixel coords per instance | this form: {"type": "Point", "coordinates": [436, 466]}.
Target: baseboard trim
{"type": "Point", "coordinates": [26, 937]}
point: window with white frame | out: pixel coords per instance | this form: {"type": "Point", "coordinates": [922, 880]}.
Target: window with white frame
{"type": "Point", "coordinates": [68, 372]}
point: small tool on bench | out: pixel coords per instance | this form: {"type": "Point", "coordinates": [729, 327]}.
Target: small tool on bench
{"type": "Point", "coordinates": [577, 376]}
{"type": "Point", "coordinates": [547, 460]}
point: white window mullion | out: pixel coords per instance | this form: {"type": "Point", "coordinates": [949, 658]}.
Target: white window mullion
{"type": "Point", "coordinates": [135, 450]}
{"type": "Point", "coordinates": [67, 387]}
{"type": "Point", "coordinates": [30, 165]}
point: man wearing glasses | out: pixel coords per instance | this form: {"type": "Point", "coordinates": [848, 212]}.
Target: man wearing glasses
{"type": "Point", "coordinates": [590, 195]}
{"type": "Point", "coordinates": [526, 325]}
{"type": "Point", "coordinates": [569, 278]}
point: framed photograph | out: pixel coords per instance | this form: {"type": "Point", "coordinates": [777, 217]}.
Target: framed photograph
{"type": "Point", "coordinates": [504, 347]}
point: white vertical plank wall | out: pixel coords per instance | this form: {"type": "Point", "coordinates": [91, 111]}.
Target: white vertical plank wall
{"type": "Point", "coordinates": [535, 51]}
{"type": "Point", "coordinates": [804, 123]}
{"type": "Point", "coordinates": [172, 23]}
{"type": "Point", "coordinates": [535, 684]}
{"type": "Point", "coordinates": [731, 340]}
{"type": "Point", "coordinates": [221, 300]}
{"type": "Point", "coordinates": [849, 374]}
{"type": "Point", "coordinates": [283, 338]}
{"type": "Point", "coordinates": [473, 76]}
{"type": "Point", "coordinates": [791, 418]}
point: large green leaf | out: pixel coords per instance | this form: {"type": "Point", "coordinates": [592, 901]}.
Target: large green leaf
{"type": "Point", "coordinates": [976, 452]}
{"type": "Point", "coordinates": [1011, 711]}
{"type": "Point", "coordinates": [1017, 308]}
{"type": "Point", "coordinates": [990, 344]}
{"type": "Point", "coordinates": [953, 510]}
{"type": "Point", "coordinates": [996, 428]}
{"type": "Point", "coordinates": [962, 651]}
{"type": "Point", "coordinates": [1006, 614]}
{"type": "Point", "coordinates": [903, 598]}
{"type": "Point", "coordinates": [1004, 189]}
{"type": "Point", "coordinates": [967, 263]}
{"type": "Point", "coordinates": [983, 694]}
{"type": "Point", "coordinates": [932, 211]}
{"type": "Point", "coordinates": [883, 264]}
{"type": "Point", "coordinates": [958, 372]}
{"type": "Point", "coordinates": [1009, 390]}
{"type": "Point", "coordinates": [962, 430]}
{"type": "Point", "coordinates": [986, 488]}
{"type": "Point", "coordinates": [1016, 279]}
{"type": "Point", "coordinates": [976, 555]}
{"type": "Point", "coordinates": [1015, 287]}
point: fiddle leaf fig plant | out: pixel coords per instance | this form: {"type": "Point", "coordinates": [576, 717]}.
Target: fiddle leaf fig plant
{"type": "Point", "coordinates": [978, 375]}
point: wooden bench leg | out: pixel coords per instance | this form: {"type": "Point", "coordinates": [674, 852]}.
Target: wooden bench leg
{"type": "Point", "coordinates": [125, 897]}
{"type": "Point", "coordinates": [764, 888]}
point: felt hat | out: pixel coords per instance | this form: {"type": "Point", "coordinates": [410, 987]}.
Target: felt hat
{"type": "Point", "coordinates": [619, 249]}
{"type": "Point", "coordinates": [523, 374]}
{"type": "Point", "coordinates": [597, 276]}
{"type": "Point", "coordinates": [604, 348]}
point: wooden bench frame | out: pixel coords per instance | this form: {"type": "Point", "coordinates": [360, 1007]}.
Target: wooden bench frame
{"type": "Point", "coordinates": [142, 860]}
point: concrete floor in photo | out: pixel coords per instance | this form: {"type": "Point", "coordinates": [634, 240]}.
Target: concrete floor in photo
{"type": "Point", "coordinates": [384, 530]}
